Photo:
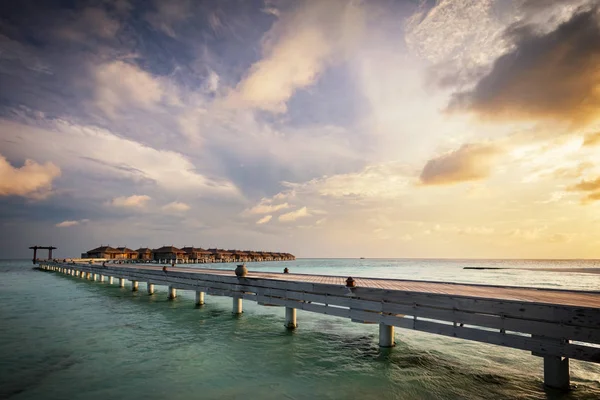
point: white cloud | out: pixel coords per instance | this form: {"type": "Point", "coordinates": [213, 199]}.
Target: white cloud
{"type": "Point", "coordinates": [264, 219]}
{"type": "Point", "coordinates": [176, 206]}
{"type": "Point", "coordinates": [168, 14]}
{"type": "Point", "coordinates": [96, 150]}
{"type": "Point", "coordinates": [134, 201]}
{"type": "Point", "coordinates": [32, 180]}
{"type": "Point", "coordinates": [297, 49]}
{"type": "Point", "coordinates": [119, 85]}
{"type": "Point", "coordinates": [383, 181]}
{"type": "Point", "coordinates": [69, 223]}
{"type": "Point", "coordinates": [266, 207]}
{"type": "Point", "coordinates": [294, 215]}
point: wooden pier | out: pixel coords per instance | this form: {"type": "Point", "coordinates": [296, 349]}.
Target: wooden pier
{"type": "Point", "coordinates": [557, 325]}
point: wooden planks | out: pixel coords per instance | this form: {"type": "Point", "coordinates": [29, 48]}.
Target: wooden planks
{"type": "Point", "coordinates": [539, 320]}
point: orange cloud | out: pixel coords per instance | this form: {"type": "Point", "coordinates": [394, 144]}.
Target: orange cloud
{"type": "Point", "coordinates": [470, 162]}
{"type": "Point", "coordinates": [592, 139]}
{"type": "Point", "coordinates": [32, 180]}
{"type": "Point", "coordinates": [549, 76]}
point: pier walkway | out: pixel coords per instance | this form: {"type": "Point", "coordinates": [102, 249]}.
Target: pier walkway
{"type": "Point", "coordinates": [554, 324]}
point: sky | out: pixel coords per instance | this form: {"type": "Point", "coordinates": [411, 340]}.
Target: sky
{"type": "Point", "coordinates": [338, 128]}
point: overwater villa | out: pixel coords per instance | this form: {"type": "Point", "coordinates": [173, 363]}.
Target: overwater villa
{"type": "Point", "coordinates": [187, 254]}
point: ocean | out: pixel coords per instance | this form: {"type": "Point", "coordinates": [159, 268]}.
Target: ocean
{"type": "Point", "coordinates": [66, 338]}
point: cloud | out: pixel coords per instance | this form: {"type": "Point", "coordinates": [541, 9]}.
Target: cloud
{"type": "Point", "coordinates": [168, 14]}
{"type": "Point", "coordinates": [176, 206]}
{"type": "Point", "coordinates": [69, 223]}
{"type": "Point", "coordinates": [588, 186]}
{"type": "Point", "coordinates": [32, 180]}
{"type": "Point", "coordinates": [470, 162]}
{"type": "Point", "coordinates": [92, 21]}
{"type": "Point", "coordinates": [95, 150]}
{"type": "Point", "coordinates": [265, 207]}
{"type": "Point", "coordinates": [264, 219]}
{"type": "Point", "coordinates": [546, 76]}
{"type": "Point", "coordinates": [296, 50]}
{"type": "Point", "coordinates": [592, 139]}
{"type": "Point", "coordinates": [294, 215]}
{"type": "Point", "coordinates": [119, 84]}
{"type": "Point", "coordinates": [135, 201]}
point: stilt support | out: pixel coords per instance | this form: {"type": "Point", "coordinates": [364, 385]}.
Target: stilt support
{"type": "Point", "coordinates": [237, 305]}
{"type": "Point", "coordinates": [199, 298]}
{"type": "Point", "coordinates": [172, 293]}
{"type": "Point", "coordinates": [386, 336]}
{"type": "Point", "coordinates": [101, 278]}
{"type": "Point", "coordinates": [290, 318]}
{"type": "Point", "coordinates": [134, 286]}
{"type": "Point", "coordinates": [110, 280]}
{"type": "Point", "coordinates": [121, 282]}
{"type": "Point", "coordinates": [150, 288]}
{"type": "Point", "coordinates": [556, 372]}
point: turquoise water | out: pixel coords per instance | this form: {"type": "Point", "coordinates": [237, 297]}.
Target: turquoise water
{"type": "Point", "coordinates": [68, 338]}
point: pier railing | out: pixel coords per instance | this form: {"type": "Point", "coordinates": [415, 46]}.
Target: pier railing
{"type": "Point", "coordinates": [568, 327]}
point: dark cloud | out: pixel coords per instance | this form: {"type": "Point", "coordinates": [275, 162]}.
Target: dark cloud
{"type": "Point", "coordinates": [592, 187]}
{"type": "Point", "coordinates": [548, 76]}
{"type": "Point", "coordinates": [469, 163]}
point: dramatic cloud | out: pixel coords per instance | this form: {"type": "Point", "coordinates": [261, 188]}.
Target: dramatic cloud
{"type": "Point", "coordinates": [296, 51]}
{"type": "Point", "coordinates": [134, 201]}
{"type": "Point", "coordinates": [264, 219]}
{"type": "Point", "coordinates": [32, 180]}
{"type": "Point", "coordinates": [176, 206]}
{"type": "Point", "coordinates": [470, 162]}
{"type": "Point", "coordinates": [294, 215]}
{"type": "Point", "coordinates": [69, 223]}
{"type": "Point", "coordinates": [119, 84]}
{"type": "Point", "coordinates": [545, 76]}
{"type": "Point", "coordinates": [93, 149]}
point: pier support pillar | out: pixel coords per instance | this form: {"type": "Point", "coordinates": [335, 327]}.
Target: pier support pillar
{"type": "Point", "coordinates": [101, 278]}
{"type": "Point", "coordinates": [88, 275]}
{"type": "Point", "coordinates": [110, 280]}
{"type": "Point", "coordinates": [172, 293]}
{"type": "Point", "coordinates": [95, 277]}
{"type": "Point", "coordinates": [556, 372]}
{"type": "Point", "coordinates": [237, 305]}
{"type": "Point", "coordinates": [121, 282]}
{"type": "Point", "coordinates": [134, 286]}
{"type": "Point", "coordinates": [290, 318]}
{"type": "Point", "coordinates": [150, 288]}
{"type": "Point", "coordinates": [386, 336]}
{"type": "Point", "coordinates": [199, 298]}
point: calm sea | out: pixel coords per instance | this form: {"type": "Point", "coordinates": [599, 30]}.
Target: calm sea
{"type": "Point", "coordinates": [67, 338]}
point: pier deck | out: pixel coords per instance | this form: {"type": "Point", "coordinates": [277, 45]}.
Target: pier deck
{"type": "Point", "coordinates": [554, 324]}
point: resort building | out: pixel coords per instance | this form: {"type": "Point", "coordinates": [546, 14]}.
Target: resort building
{"type": "Point", "coordinates": [103, 252]}
{"type": "Point", "coordinates": [144, 253]}
{"type": "Point", "coordinates": [169, 253]}
{"type": "Point", "coordinates": [127, 254]}
{"type": "Point", "coordinates": [188, 254]}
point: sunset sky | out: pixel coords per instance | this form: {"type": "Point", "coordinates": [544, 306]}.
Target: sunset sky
{"type": "Point", "coordinates": [466, 129]}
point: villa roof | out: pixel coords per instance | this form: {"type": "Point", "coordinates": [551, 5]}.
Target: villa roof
{"type": "Point", "coordinates": [144, 250]}
{"type": "Point", "coordinates": [126, 250]}
{"type": "Point", "coordinates": [168, 249]}
{"type": "Point", "coordinates": [104, 249]}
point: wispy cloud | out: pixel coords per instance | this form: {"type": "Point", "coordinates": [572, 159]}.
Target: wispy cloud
{"type": "Point", "coordinates": [134, 201]}
{"type": "Point", "coordinates": [176, 206]}
{"type": "Point", "coordinates": [69, 223]}
{"type": "Point", "coordinates": [294, 215]}
{"type": "Point", "coordinates": [264, 219]}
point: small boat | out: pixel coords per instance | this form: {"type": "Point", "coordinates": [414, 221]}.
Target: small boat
{"type": "Point", "coordinates": [362, 258]}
